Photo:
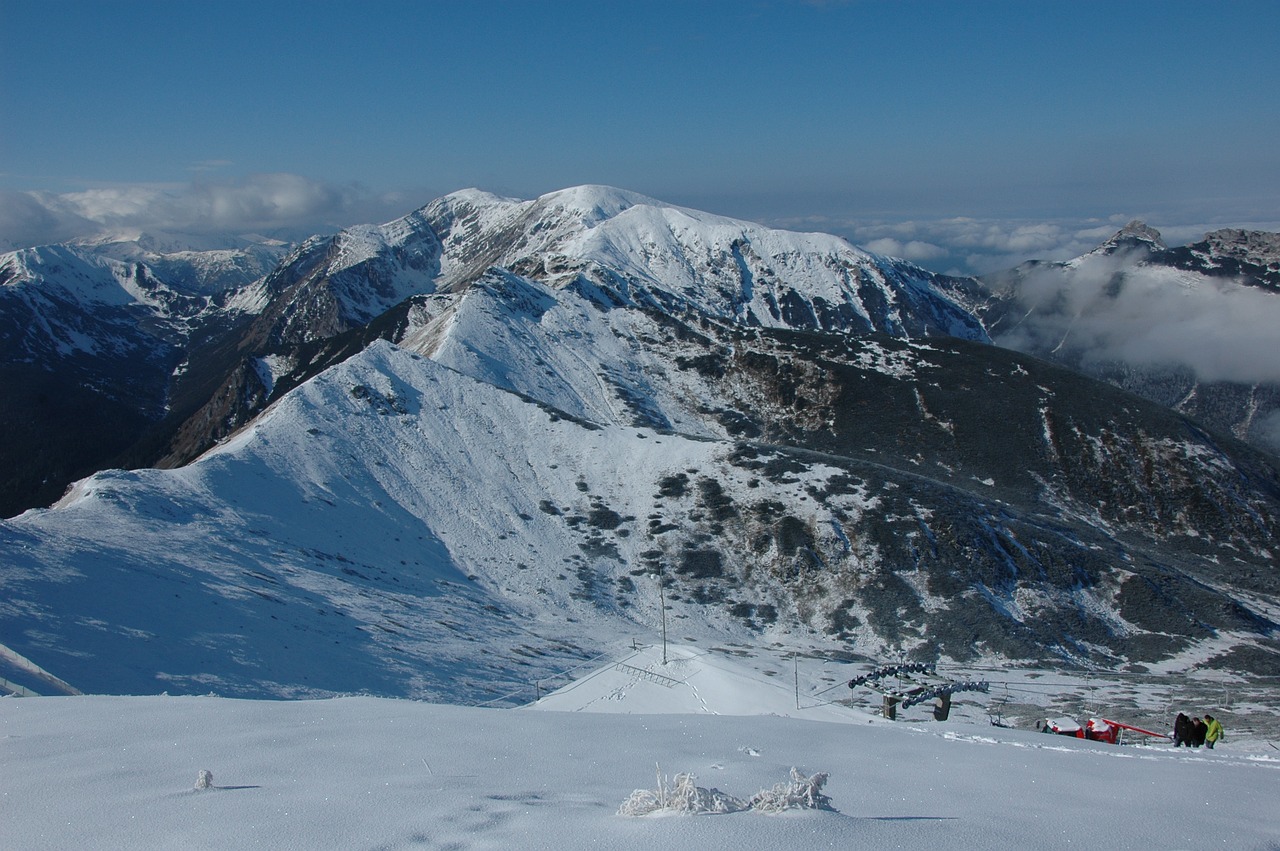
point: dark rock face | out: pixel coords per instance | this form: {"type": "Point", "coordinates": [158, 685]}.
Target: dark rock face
{"type": "Point", "coordinates": [154, 372]}
{"type": "Point", "coordinates": [88, 350]}
{"type": "Point", "coordinates": [990, 501]}
{"type": "Point", "coordinates": [1251, 256]}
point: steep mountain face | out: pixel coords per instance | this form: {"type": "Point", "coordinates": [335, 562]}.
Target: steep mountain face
{"type": "Point", "coordinates": [333, 284]}
{"type": "Point", "coordinates": [565, 402]}
{"type": "Point", "coordinates": [607, 247]}
{"type": "Point", "coordinates": [1187, 327]}
{"type": "Point", "coordinates": [966, 423]}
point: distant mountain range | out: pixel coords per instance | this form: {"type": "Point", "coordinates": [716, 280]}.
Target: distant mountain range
{"type": "Point", "coordinates": [436, 456]}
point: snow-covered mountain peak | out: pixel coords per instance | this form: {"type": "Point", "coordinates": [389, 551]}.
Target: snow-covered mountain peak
{"type": "Point", "coordinates": [330, 284]}
{"type": "Point", "coordinates": [1138, 229]}
{"type": "Point", "coordinates": [475, 197]}
{"type": "Point", "coordinates": [360, 243]}
{"type": "Point", "coordinates": [1135, 235]}
{"type": "Point", "coordinates": [615, 393]}
{"type": "Point", "coordinates": [478, 208]}
{"type": "Point", "coordinates": [634, 250]}
{"type": "Point", "coordinates": [591, 204]}
{"type": "Point", "coordinates": [196, 264]}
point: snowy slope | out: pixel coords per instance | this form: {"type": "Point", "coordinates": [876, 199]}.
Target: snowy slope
{"type": "Point", "coordinates": [337, 539]}
{"type": "Point", "coordinates": [369, 557]}
{"type": "Point", "coordinates": [641, 251]}
{"type": "Point", "coordinates": [331, 284]}
{"type": "Point", "coordinates": [78, 302]}
{"type": "Point", "coordinates": [98, 344]}
{"type": "Point", "coordinates": [203, 264]}
{"type": "Point", "coordinates": [397, 527]}
{"type": "Point", "coordinates": [364, 772]}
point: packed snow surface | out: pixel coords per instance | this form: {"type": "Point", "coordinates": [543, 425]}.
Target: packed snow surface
{"type": "Point", "coordinates": [360, 772]}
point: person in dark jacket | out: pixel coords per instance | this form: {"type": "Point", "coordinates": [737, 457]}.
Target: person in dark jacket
{"type": "Point", "coordinates": [1182, 730]}
{"type": "Point", "coordinates": [1198, 731]}
{"type": "Point", "coordinates": [1212, 732]}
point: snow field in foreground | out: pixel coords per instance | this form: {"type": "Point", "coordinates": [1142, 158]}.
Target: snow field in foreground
{"type": "Point", "coordinates": [358, 772]}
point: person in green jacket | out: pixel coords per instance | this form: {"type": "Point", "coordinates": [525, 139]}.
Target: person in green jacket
{"type": "Point", "coordinates": [1213, 730]}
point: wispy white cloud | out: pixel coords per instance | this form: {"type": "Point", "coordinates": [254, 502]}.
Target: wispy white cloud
{"type": "Point", "coordinates": [1268, 429]}
{"type": "Point", "coordinates": [1108, 309]}
{"type": "Point", "coordinates": [1104, 308]}
{"type": "Point", "coordinates": [913, 249]}
{"type": "Point", "coordinates": [275, 204]}
{"type": "Point", "coordinates": [977, 246]}
{"type": "Point", "coordinates": [36, 218]}
{"type": "Point", "coordinates": [209, 165]}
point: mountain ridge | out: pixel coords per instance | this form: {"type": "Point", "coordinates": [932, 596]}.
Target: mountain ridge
{"type": "Point", "coordinates": [483, 421]}
{"type": "Point", "coordinates": [223, 355]}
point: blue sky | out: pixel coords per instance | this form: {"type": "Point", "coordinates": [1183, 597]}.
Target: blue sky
{"type": "Point", "coordinates": [878, 120]}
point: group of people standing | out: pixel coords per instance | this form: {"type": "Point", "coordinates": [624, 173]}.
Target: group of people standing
{"type": "Point", "coordinates": [1194, 732]}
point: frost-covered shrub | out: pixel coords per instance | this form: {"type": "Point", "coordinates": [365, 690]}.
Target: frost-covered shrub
{"type": "Point", "coordinates": [801, 793]}
{"type": "Point", "coordinates": [204, 780]}
{"type": "Point", "coordinates": [641, 802]}
{"type": "Point", "coordinates": [684, 797]}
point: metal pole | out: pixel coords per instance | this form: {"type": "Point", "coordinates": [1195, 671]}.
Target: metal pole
{"type": "Point", "coordinates": [662, 603]}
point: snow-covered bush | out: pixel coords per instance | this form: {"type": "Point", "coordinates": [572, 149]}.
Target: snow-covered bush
{"type": "Point", "coordinates": [204, 780]}
{"type": "Point", "coordinates": [800, 793]}
{"type": "Point", "coordinates": [686, 797]}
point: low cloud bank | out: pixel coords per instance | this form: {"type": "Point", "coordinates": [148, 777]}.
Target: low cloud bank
{"type": "Point", "coordinates": [973, 246]}
{"type": "Point", "coordinates": [1102, 308]}
{"type": "Point", "coordinates": [969, 246]}
{"type": "Point", "coordinates": [1109, 309]}
{"type": "Point", "coordinates": [290, 206]}
{"type": "Point", "coordinates": [287, 206]}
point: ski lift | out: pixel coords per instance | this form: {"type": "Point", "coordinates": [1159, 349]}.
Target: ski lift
{"type": "Point", "coordinates": [895, 698]}
{"type": "Point", "coordinates": [995, 709]}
